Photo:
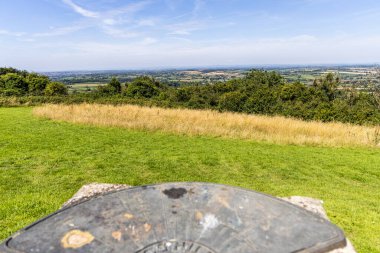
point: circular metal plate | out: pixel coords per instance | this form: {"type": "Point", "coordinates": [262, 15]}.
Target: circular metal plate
{"type": "Point", "coordinates": [179, 217]}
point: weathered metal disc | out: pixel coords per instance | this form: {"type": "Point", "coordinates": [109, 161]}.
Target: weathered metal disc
{"type": "Point", "coordinates": [180, 217]}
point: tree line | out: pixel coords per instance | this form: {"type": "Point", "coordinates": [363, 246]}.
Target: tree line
{"type": "Point", "coordinates": [15, 82]}
{"type": "Point", "coordinates": [259, 92]}
{"type": "Point", "coordinates": [262, 92]}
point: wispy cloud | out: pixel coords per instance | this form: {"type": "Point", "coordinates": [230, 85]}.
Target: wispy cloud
{"type": "Point", "coordinates": [80, 10]}
{"type": "Point", "coordinates": [9, 33]}
{"type": "Point", "coordinates": [198, 5]}
{"type": "Point", "coordinates": [191, 21]}
{"type": "Point", "coordinates": [109, 21]}
{"type": "Point", "coordinates": [172, 4]}
{"type": "Point", "coordinates": [58, 31]}
{"type": "Point", "coordinates": [149, 33]}
{"type": "Point", "coordinates": [149, 41]}
{"type": "Point", "coordinates": [146, 22]}
{"type": "Point", "coordinates": [120, 33]}
{"type": "Point", "coordinates": [129, 9]}
{"type": "Point", "coordinates": [184, 28]}
{"type": "Point", "coordinates": [368, 13]}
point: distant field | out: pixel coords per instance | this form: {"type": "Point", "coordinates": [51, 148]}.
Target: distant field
{"type": "Point", "coordinates": [44, 162]}
{"type": "Point", "coordinates": [87, 84]}
{"type": "Point", "coordinates": [211, 123]}
{"type": "Point", "coordinates": [82, 87]}
{"type": "Point", "coordinates": [349, 75]}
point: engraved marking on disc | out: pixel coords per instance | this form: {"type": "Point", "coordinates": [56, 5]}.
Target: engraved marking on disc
{"type": "Point", "coordinates": [76, 239]}
{"type": "Point", "coordinates": [147, 227]}
{"type": "Point", "coordinates": [116, 235]}
{"type": "Point", "coordinates": [128, 216]}
{"type": "Point", "coordinates": [176, 247]}
{"type": "Point", "coordinates": [198, 216]}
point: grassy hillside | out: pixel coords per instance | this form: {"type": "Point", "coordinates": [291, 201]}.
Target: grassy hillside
{"type": "Point", "coordinates": [42, 163]}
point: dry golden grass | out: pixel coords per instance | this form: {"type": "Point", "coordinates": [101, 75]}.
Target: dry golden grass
{"type": "Point", "coordinates": [211, 123]}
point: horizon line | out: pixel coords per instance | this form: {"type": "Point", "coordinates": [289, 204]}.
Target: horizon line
{"type": "Point", "coordinates": [218, 67]}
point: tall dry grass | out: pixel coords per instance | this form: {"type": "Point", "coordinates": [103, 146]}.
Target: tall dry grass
{"type": "Point", "coordinates": [211, 123]}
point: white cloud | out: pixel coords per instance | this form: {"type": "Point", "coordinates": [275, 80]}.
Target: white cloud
{"type": "Point", "coordinates": [185, 28]}
{"type": "Point", "coordinates": [27, 39]}
{"type": "Point", "coordinates": [9, 33]}
{"type": "Point", "coordinates": [154, 41]}
{"type": "Point", "coordinates": [172, 4]}
{"type": "Point", "coordinates": [109, 21]}
{"type": "Point", "coordinates": [58, 31]}
{"type": "Point", "coordinates": [120, 33]}
{"type": "Point", "coordinates": [128, 9]}
{"type": "Point", "coordinates": [149, 53]}
{"type": "Point", "coordinates": [198, 5]}
{"type": "Point", "coordinates": [80, 10]}
{"type": "Point", "coordinates": [148, 41]}
{"type": "Point", "coordinates": [146, 22]}
{"type": "Point", "coordinates": [179, 32]}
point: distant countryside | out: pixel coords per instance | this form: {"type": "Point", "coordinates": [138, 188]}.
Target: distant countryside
{"type": "Point", "coordinates": [359, 77]}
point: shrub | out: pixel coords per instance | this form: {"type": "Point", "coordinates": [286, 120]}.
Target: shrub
{"type": "Point", "coordinates": [115, 84]}
{"type": "Point", "coordinates": [55, 89]}
{"type": "Point", "coordinates": [112, 88]}
{"type": "Point", "coordinates": [37, 83]}
{"type": "Point", "coordinates": [232, 101]}
{"type": "Point", "coordinates": [142, 87]}
{"type": "Point", "coordinates": [258, 77]}
{"type": "Point", "coordinates": [262, 101]}
{"type": "Point", "coordinates": [106, 90]}
{"type": "Point", "coordinates": [10, 92]}
{"type": "Point", "coordinates": [5, 70]}
{"type": "Point", "coordinates": [13, 81]}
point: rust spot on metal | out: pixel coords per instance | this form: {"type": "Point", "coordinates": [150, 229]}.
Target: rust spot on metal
{"type": "Point", "coordinates": [76, 239]}
{"type": "Point", "coordinates": [116, 235]}
{"type": "Point", "coordinates": [128, 216]}
{"type": "Point", "coordinates": [175, 193]}
{"type": "Point", "coordinates": [198, 216]}
{"type": "Point", "coordinates": [147, 227]}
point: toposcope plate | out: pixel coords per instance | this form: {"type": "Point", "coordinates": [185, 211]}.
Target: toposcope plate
{"type": "Point", "coordinates": [179, 218]}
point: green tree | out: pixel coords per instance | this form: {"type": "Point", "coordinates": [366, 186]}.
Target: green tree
{"type": "Point", "coordinates": [6, 70]}
{"type": "Point", "coordinates": [258, 77]}
{"type": "Point", "coordinates": [55, 89]}
{"type": "Point", "coordinates": [143, 86]}
{"type": "Point", "coordinates": [182, 95]}
{"type": "Point", "coordinates": [112, 88]}
{"type": "Point", "coordinates": [262, 101]}
{"type": "Point", "coordinates": [115, 84]}
{"type": "Point", "coordinates": [106, 90]}
{"type": "Point", "coordinates": [328, 85]}
{"type": "Point", "coordinates": [232, 101]}
{"type": "Point", "coordinates": [37, 83]}
{"type": "Point", "coordinates": [293, 91]}
{"type": "Point", "coordinates": [13, 84]}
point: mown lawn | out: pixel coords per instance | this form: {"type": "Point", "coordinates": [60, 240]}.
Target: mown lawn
{"type": "Point", "coordinates": [42, 163]}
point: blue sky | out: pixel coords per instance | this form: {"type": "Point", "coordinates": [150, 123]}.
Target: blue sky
{"type": "Point", "coordinates": [45, 35]}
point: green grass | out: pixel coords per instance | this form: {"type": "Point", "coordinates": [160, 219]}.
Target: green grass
{"type": "Point", "coordinates": [42, 163]}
